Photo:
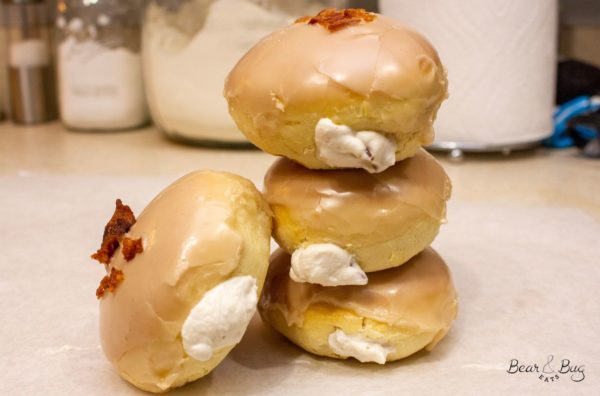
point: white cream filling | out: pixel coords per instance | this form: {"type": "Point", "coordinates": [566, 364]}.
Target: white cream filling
{"type": "Point", "coordinates": [359, 347]}
{"type": "Point", "coordinates": [220, 318]}
{"type": "Point", "coordinates": [326, 264]}
{"type": "Point", "coordinates": [341, 147]}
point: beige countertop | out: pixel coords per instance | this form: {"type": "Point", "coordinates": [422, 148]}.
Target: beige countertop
{"type": "Point", "coordinates": [522, 242]}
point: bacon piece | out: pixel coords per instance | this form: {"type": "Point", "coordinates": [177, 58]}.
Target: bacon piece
{"type": "Point", "coordinates": [119, 224]}
{"type": "Point", "coordinates": [131, 247]}
{"type": "Point", "coordinates": [110, 282]}
{"type": "Point", "coordinates": [334, 20]}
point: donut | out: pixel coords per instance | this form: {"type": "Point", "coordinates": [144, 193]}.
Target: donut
{"type": "Point", "coordinates": [343, 89]}
{"type": "Point", "coordinates": [399, 312]}
{"type": "Point", "coordinates": [341, 223]}
{"type": "Point", "coordinates": [174, 306]}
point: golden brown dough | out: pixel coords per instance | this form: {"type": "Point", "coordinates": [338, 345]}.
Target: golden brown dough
{"type": "Point", "coordinates": [399, 312]}
{"type": "Point", "coordinates": [381, 219]}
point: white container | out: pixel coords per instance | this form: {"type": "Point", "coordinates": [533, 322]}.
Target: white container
{"type": "Point", "coordinates": [501, 62]}
{"type": "Point", "coordinates": [100, 88]}
{"type": "Point", "coordinates": [189, 47]}
{"type": "Point", "coordinates": [99, 66]}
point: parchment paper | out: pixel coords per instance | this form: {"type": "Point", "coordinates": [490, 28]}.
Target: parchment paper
{"type": "Point", "coordinates": [528, 278]}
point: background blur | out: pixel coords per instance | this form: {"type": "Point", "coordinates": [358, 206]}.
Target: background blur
{"type": "Point", "coordinates": [107, 65]}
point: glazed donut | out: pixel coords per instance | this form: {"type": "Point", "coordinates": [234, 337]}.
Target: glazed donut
{"type": "Point", "coordinates": [399, 312]}
{"type": "Point", "coordinates": [184, 300]}
{"type": "Point", "coordinates": [344, 89]}
{"type": "Point", "coordinates": [339, 223]}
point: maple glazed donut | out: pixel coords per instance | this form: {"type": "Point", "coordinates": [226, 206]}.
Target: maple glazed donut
{"type": "Point", "coordinates": [399, 312]}
{"type": "Point", "coordinates": [339, 224]}
{"type": "Point", "coordinates": [343, 89]}
{"type": "Point", "coordinates": [183, 280]}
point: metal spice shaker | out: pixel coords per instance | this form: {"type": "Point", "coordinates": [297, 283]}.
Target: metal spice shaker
{"type": "Point", "coordinates": [31, 85]}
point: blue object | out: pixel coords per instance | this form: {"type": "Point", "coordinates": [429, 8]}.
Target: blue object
{"type": "Point", "coordinates": [565, 112]}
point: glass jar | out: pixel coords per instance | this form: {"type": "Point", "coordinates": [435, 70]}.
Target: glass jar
{"type": "Point", "coordinates": [29, 61]}
{"type": "Point", "coordinates": [189, 47]}
{"type": "Point", "coordinates": [99, 64]}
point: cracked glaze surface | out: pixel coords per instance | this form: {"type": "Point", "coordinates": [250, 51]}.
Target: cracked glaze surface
{"type": "Point", "coordinates": [344, 205]}
{"type": "Point", "coordinates": [379, 76]}
{"type": "Point", "coordinates": [379, 57]}
{"type": "Point", "coordinates": [193, 240]}
{"type": "Point", "coordinates": [418, 295]}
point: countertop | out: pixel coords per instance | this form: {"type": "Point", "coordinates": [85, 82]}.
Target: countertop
{"type": "Point", "coordinates": [522, 241]}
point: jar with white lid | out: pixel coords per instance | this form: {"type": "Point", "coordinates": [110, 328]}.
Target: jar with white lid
{"type": "Point", "coordinates": [99, 64]}
{"type": "Point", "coordinates": [189, 46]}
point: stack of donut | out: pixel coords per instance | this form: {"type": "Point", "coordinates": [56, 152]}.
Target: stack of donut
{"type": "Point", "coordinates": [347, 98]}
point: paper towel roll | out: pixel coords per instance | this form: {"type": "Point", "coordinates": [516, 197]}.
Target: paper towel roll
{"type": "Point", "coordinates": [501, 61]}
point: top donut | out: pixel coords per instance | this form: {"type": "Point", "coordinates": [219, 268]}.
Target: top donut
{"type": "Point", "coordinates": [343, 89]}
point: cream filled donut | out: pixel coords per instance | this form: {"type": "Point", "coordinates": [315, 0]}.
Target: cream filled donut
{"type": "Point", "coordinates": [343, 89]}
{"type": "Point", "coordinates": [339, 223]}
{"type": "Point", "coordinates": [399, 312]}
{"type": "Point", "coordinates": [174, 306]}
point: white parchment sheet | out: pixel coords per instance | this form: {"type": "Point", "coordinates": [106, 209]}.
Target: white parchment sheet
{"type": "Point", "coordinates": [528, 279]}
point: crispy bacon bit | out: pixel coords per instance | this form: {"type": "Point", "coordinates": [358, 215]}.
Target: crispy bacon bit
{"type": "Point", "coordinates": [131, 247]}
{"type": "Point", "coordinates": [110, 282]}
{"type": "Point", "coordinates": [334, 20]}
{"type": "Point", "coordinates": [303, 19]}
{"type": "Point", "coordinates": [119, 224]}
